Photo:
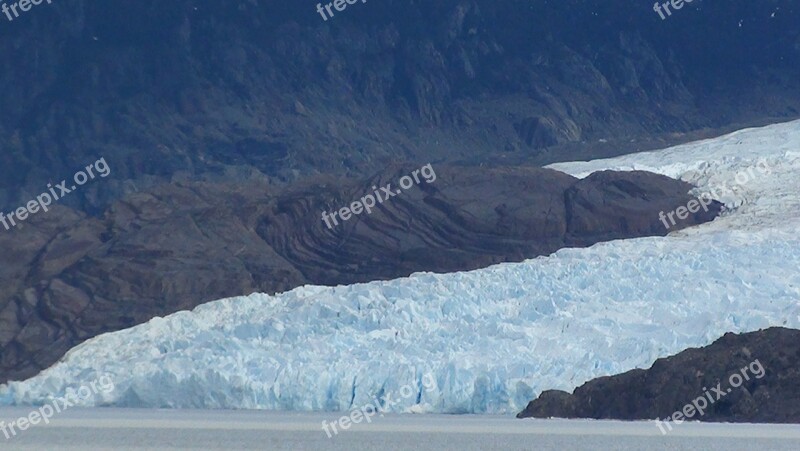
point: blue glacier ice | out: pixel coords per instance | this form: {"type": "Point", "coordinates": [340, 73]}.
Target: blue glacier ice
{"type": "Point", "coordinates": [492, 339]}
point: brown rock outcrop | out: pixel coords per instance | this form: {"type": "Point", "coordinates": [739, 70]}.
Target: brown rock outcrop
{"type": "Point", "coordinates": [770, 393]}
{"type": "Point", "coordinates": [65, 277]}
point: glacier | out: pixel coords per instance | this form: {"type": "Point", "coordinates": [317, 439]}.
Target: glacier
{"type": "Point", "coordinates": [493, 338]}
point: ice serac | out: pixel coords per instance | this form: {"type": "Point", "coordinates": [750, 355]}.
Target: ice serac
{"type": "Point", "coordinates": [493, 338]}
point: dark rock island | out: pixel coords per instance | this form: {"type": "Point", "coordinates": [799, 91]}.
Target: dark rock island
{"type": "Point", "coordinates": [768, 390]}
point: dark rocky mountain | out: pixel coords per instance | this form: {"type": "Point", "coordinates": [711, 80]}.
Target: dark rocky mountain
{"type": "Point", "coordinates": [68, 277]}
{"type": "Point", "coordinates": [252, 90]}
{"type": "Point", "coordinates": [770, 393]}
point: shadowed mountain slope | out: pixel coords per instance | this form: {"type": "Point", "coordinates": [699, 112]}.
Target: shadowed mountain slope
{"type": "Point", "coordinates": [243, 91]}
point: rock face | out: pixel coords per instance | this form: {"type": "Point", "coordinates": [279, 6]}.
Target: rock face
{"type": "Point", "coordinates": [674, 382]}
{"type": "Point", "coordinates": [66, 277]}
{"type": "Point", "coordinates": [252, 90]}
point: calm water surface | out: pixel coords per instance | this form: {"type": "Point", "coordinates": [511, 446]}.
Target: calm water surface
{"type": "Point", "coordinates": [140, 429]}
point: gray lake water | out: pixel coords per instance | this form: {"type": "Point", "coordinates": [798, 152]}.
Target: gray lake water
{"type": "Point", "coordinates": [141, 429]}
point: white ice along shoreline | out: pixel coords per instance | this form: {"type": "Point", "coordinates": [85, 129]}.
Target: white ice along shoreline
{"type": "Point", "coordinates": [492, 338]}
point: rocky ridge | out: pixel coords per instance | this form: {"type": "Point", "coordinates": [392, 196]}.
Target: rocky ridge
{"type": "Point", "coordinates": [68, 277]}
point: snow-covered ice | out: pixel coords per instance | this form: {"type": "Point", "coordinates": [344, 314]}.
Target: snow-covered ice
{"type": "Point", "coordinates": [491, 338]}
